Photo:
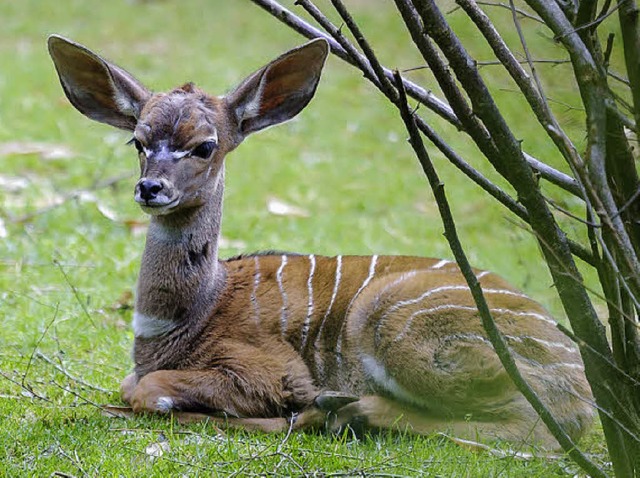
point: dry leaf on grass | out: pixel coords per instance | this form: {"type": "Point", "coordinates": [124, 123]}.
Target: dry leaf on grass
{"type": "Point", "coordinates": [481, 447]}
{"type": "Point", "coordinates": [225, 243]}
{"type": "Point", "coordinates": [90, 197]}
{"type": "Point", "coordinates": [124, 302]}
{"type": "Point", "coordinates": [13, 184]}
{"type": "Point", "coordinates": [136, 227]}
{"type": "Point", "coordinates": [280, 208]}
{"type": "Point", "coordinates": [156, 450]}
{"type": "Point", "coordinates": [44, 150]}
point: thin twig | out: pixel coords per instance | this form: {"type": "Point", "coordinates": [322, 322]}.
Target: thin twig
{"type": "Point", "coordinates": [521, 12]}
{"type": "Point", "coordinates": [64, 371]}
{"type": "Point", "coordinates": [25, 387]}
{"type": "Point", "coordinates": [568, 213]}
{"type": "Point", "coordinates": [493, 63]}
{"type": "Point", "coordinates": [40, 339]}
{"type": "Point", "coordinates": [351, 56]}
{"type": "Point", "coordinates": [588, 25]}
{"type": "Point", "coordinates": [81, 397]}
{"type": "Point", "coordinates": [495, 336]}
{"type": "Point", "coordinates": [71, 196]}
{"type": "Point", "coordinates": [76, 294]}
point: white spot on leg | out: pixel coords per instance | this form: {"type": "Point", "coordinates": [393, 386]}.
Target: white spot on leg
{"type": "Point", "coordinates": [164, 404]}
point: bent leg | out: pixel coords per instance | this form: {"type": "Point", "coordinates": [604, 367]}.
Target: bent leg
{"type": "Point", "coordinates": [377, 412]}
{"type": "Point", "coordinates": [255, 395]}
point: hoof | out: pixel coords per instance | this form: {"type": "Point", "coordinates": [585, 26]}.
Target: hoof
{"type": "Point", "coordinates": [332, 401]}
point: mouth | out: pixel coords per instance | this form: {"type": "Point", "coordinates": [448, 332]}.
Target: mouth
{"type": "Point", "coordinates": [157, 207]}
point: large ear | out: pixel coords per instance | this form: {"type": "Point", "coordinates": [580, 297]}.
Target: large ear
{"type": "Point", "coordinates": [98, 89]}
{"type": "Point", "coordinates": [280, 90]}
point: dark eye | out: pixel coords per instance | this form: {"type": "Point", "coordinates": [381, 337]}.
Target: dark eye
{"type": "Point", "coordinates": [204, 150]}
{"type": "Point", "coordinates": [137, 144]}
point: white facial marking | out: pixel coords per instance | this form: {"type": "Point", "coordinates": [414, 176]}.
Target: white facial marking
{"type": "Point", "coordinates": [307, 320]}
{"type": "Point", "coordinates": [283, 316]}
{"type": "Point", "coordinates": [145, 326]}
{"type": "Point", "coordinates": [179, 154]}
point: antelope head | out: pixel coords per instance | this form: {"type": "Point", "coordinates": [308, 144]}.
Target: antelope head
{"type": "Point", "coordinates": [182, 136]}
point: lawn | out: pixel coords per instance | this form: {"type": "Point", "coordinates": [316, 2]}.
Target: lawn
{"type": "Point", "coordinates": [71, 235]}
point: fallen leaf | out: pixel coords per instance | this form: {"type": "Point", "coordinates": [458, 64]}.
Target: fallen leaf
{"type": "Point", "coordinates": [89, 196]}
{"type": "Point", "coordinates": [124, 302]}
{"type": "Point", "coordinates": [156, 450]}
{"type": "Point", "coordinates": [225, 243]}
{"type": "Point", "coordinates": [137, 228]}
{"type": "Point", "coordinates": [44, 150]}
{"type": "Point", "coordinates": [280, 208]}
{"type": "Point", "coordinates": [13, 184]}
{"type": "Point", "coordinates": [481, 447]}
{"type": "Point", "coordinates": [116, 411]}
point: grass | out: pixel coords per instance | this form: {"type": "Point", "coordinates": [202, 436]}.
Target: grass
{"type": "Point", "coordinates": [69, 260]}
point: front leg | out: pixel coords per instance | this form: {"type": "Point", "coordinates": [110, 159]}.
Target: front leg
{"type": "Point", "coordinates": [127, 386]}
{"type": "Point", "coordinates": [249, 382]}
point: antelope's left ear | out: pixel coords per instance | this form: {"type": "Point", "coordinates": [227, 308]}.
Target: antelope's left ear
{"type": "Point", "coordinates": [278, 91]}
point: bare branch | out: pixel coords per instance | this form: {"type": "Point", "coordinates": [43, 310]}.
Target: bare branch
{"type": "Point", "coordinates": [425, 97]}
{"type": "Point", "coordinates": [630, 27]}
{"type": "Point", "coordinates": [495, 336]}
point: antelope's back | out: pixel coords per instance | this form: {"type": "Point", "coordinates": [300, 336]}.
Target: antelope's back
{"type": "Point", "coordinates": [339, 311]}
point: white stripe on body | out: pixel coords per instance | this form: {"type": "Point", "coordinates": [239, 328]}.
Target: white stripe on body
{"type": "Point", "coordinates": [408, 323]}
{"type": "Point", "coordinates": [257, 277]}
{"type": "Point", "coordinates": [307, 320]}
{"type": "Point", "coordinates": [283, 315]}
{"type": "Point", "coordinates": [336, 284]}
{"type": "Point", "coordinates": [440, 264]}
{"type": "Point", "coordinates": [378, 373]}
{"type": "Point", "coordinates": [482, 274]}
{"type": "Point", "coordinates": [365, 283]}
{"type": "Point", "coordinates": [404, 303]}
{"type": "Point", "coordinates": [514, 338]}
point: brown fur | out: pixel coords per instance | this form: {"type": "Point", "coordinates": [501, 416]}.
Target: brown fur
{"type": "Point", "coordinates": [262, 337]}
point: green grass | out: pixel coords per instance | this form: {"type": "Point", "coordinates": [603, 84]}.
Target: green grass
{"type": "Point", "coordinates": [66, 272]}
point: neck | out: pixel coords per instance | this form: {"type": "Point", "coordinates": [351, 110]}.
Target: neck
{"type": "Point", "coordinates": [180, 276]}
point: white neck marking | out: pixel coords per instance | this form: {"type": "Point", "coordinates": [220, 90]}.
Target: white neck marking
{"type": "Point", "coordinates": [145, 326]}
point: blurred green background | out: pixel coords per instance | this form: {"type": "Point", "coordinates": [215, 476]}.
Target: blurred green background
{"type": "Point", "coordinates": [72, 235]}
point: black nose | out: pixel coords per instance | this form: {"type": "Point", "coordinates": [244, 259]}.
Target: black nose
{"type": "Point", "coordinates": [149, 188]}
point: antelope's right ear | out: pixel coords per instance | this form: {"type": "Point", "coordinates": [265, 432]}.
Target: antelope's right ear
{"type": "Point", "coordinates": [98, 89]}
{"type": "Point", "coordinates": [280, 90]}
